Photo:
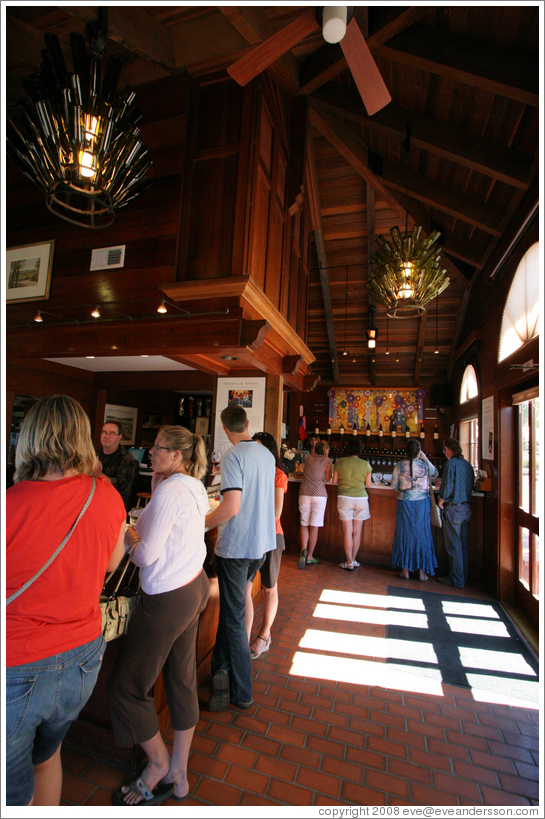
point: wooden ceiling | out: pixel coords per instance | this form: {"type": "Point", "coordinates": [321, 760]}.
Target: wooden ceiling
{"type": "Point", "coordinates": [466, 78]}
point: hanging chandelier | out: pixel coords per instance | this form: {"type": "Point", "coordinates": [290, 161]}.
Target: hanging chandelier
{"type": "Point", "coordinates": [407, 272]}
{"type": "Point", "coordinates": [77, 141]}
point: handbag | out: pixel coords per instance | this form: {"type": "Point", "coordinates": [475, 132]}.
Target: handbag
{"type": "Point", "coordinates": [435, 511]}
{"type": "Point", "coordinates": [59, 548]}
{"type": "Point", "coordinates": [118, 609]}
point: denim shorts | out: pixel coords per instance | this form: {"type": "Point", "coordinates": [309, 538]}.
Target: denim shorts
{"type": "Point", "coordinates": [42, 699]}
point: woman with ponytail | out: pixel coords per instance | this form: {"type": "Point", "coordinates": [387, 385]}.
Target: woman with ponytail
{"type": "Point", "coordinates": [413, 548]}
{"type": "Point", "coordinates": [167, 544]}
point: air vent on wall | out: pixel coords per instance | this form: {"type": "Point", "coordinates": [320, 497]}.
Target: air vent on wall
{"type": "Point", "coordinates": [106, 257]}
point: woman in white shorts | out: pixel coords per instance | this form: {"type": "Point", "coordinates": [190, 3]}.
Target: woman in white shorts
{"type": "Point", "coordinates": [353, 475]}
{"type": "Point", "coordinates": [313, 500]}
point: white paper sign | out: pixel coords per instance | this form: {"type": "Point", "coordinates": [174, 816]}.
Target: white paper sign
{"type": "Point", "coordinates": [249, 393]}
{"type": "Point", "coordinates": [487, 427]}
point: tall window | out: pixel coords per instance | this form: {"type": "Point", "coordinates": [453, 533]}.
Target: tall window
{"type": "Point", "coordinates": [469, 441]}
{"type": "Point", "coordinates": [530, 493]}
{"type": "Point", "coordinates": [469, 388]}
{"type": "Point", "coordinates": [521, 314]}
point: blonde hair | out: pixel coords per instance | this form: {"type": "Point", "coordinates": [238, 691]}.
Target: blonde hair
{"type": "Point", "coordinates": [55, 437]}
{"type": "Point", "coordinates": [191, 448]}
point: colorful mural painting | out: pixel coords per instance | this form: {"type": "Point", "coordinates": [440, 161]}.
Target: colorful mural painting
{"type": "Point", "coordinates": [355, 409]}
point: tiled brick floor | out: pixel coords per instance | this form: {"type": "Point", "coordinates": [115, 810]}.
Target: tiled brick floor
{"type": "Point", "coordinates": [340, 729]}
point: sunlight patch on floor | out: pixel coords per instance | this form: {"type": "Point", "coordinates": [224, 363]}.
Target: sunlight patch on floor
{"type": "Point", "coordinates": [378, 601]}
{"type": "Point", "coordinates": [360, 672]}
{"type": "Point", "coordinates": [355, 614]}
{"type": "Point", "coordinates": [470, 609]}
{"type": "Point", "coordinates": [485, 628]}
{"type": "Point", "coordinates": [513, 664]}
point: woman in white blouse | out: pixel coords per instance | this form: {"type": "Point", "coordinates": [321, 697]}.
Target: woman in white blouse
{"type": "Point", "coordinates": [168, 546]}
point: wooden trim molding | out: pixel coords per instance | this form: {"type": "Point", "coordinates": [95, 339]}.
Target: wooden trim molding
{"type": "Point", "coordinates": [255, 304]}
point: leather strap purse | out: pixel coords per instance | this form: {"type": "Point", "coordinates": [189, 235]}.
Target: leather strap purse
{"type": "Point", "coordinates": [58, 550]}
{"type": "Point", "coordinates": [118, 609]}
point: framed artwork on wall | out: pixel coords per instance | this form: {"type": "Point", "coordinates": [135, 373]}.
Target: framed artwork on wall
{"type": "Point", "coordinates": [127, 417]}
{"type": "Point", "coordinates": [28, 270]}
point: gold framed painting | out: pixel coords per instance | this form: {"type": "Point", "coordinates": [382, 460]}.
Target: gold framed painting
{"type": "Point", "coordinates": [28, 269]}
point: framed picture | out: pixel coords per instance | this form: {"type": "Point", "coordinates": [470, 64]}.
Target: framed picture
{"type": "Point", "coordinates": [28, 269]}
{"type": "Point", "coordinates": [127, 417]}
{"type": "Point", "coordinates": [201, 426]}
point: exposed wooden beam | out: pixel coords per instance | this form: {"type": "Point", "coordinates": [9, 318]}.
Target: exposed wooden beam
{"type": "Point", "coordinates": [504, 164]}
{"type": "Point", "coordinates": [462, 59]}
{"type": "Point", "coordinates": [316, 222]}
{"type": "Point", "coordinates": [370, 194]}
{"type": "Point", "coordinates": [250, 21]}
{"type": "Point", "coordinates": [136, 30]}
{"type": "Point", "coordinates": [329, 61]}
{"type": "Point", "coordinates": [353, 149]}
{"type": "Point", "coordinates": [205, 364]}
{"type": "Point", "coordinates": [447, 200]}
{"type": "Point", "coordinates": [172, 337]}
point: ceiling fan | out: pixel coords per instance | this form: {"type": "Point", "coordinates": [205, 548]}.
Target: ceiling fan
{"type": "Point", "coordinates": [338, 26]}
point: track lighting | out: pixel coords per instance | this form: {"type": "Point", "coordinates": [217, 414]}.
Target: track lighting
{"type": "Point", "coordinates": [96, 312]}
{"type": "Point", "coordinates": [162, 308]}
{"type": "Point", "coordinates": [38, 316]}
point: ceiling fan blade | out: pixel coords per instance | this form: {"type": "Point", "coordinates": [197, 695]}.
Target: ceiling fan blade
{"type": "Point", "coordinates": [363, 67]}
{"type": "Point", "coordinates": [267, 52]}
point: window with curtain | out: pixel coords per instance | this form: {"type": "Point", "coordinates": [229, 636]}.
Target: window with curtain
{"type": "Point", "coordinates": [520, 321]}
{"type": "Point", "coordinates": [469, 388]}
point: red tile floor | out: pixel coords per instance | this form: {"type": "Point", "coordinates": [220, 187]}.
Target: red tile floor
{"type": "Point", "coordinates": [333, 725]}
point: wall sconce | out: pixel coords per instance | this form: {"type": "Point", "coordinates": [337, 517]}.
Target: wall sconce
{"type": "Point", "coordinates": [371, 337]}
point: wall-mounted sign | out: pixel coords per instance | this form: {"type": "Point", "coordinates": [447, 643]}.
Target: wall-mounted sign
{"type": "Point", "coordinates": [356, 408]}
{"type": "Point", "coordinates": [249, 393]}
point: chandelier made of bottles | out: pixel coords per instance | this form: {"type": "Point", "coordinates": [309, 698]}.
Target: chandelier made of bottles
{"type": "Point", "coordinates": [76, 139]}
{"type": "Point", "coordinates": [407, 272]}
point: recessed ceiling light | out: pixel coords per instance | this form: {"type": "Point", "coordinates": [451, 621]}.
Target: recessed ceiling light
{"type": "Point", "coordinates": [229, 357]}
{"type": "Point", "coordinates": [89, 356]}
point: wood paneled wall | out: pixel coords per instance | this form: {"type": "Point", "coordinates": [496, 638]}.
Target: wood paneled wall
{"type": "Point", "coordinates": [484, 319]}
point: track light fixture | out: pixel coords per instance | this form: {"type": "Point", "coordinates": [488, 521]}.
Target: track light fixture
{"type": "Point", "coordinates": [96, 312]}
{"type": "Point", "coordinates": [38, 316]}
{"type": "Point", "coordinates": [162, 307]}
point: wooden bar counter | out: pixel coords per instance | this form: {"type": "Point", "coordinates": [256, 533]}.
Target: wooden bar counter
{"type": "Point", "coordinates": [378, 531]}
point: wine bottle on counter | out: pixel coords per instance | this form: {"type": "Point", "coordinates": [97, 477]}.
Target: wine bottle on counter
{"type": "Point", "coordinates": [317, 428]}
{"type": "Point", "coordinates": [422, 432]}
{"type": "Point", "coordinates": [435, 433]}
{"type": "Point", "coordinates": [341, 429]}
{"type": "Point", "coordinates": [407, 432]}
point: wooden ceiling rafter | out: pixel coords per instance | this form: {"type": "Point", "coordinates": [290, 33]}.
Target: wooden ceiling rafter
{"type": "Point", "coordinates": [329, 61]}
{"type": "Point", "coordinates": [316, 224]}
{"type": "Point", "coordinates": [492, 69]}
{"type": "Point", "coordinates": [471, 151]}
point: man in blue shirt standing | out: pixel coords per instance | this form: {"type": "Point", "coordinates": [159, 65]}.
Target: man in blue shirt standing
{"type": "Point", "coordinates": [247, 534]}
{"type": "Point", "coordinates": [457, 484]}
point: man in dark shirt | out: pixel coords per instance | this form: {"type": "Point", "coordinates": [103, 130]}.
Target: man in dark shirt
{"type": "Point", "coordinates": [115, 463]}
{"type": "Point", "coordinates": [455, 491]}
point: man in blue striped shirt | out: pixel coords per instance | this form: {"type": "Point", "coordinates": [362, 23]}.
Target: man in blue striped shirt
{"type": "Point", "coordinates": [457, 484]}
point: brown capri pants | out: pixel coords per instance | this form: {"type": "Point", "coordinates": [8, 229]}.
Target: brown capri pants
{"type": "Point", "coordinates": [271, 567]}
{"type": "Point", "coordinates": [161, 637]}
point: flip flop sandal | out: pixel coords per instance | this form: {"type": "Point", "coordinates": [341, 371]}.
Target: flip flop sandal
{"type": "Point", "coordinates": [303, 559]}
{"type": "Point", "coordinates": [312, 560]}
{"type": "Point", "coordinates": [255, 652]}
{"type": "Point", "coordinates": [155, 797]}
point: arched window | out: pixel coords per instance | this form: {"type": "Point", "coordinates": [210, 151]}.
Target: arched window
{"type": "Point", "coordinates": [469, 388]}
{"type": "Point", "coordinates": [521, 314]}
